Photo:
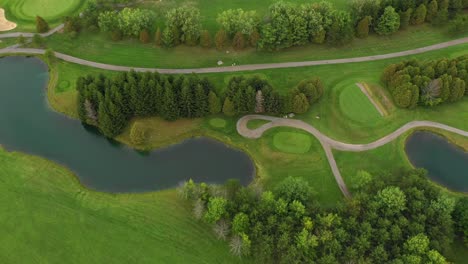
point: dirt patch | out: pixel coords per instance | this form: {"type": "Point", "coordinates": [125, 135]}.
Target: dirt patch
{"type": "Point", "coordinates": [5, 25]}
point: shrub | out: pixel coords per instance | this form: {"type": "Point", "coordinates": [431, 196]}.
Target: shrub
{"type": "Point", "coordinates": [144, 36]}
{"type": "Point", "coordinates": [238, 42]}
{"type": "Point", "coordinates": [38, 41]}
{"type": "Point", "coordinates": [158, 37]}
{"type": "Point", "coordinates": [205, 39]}
{"type": "Point", "coordinates": [363, 27]}
{"type": "Point", "coordinates": [388, 23]}
{"type": "Point", "coordinates": [116, 35]}
{"type": "Point", "coordinates": [419, 15]}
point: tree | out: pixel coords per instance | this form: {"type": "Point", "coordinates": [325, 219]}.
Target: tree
{"type": "Point", "coordinates": [168, 38]}
{"type": "Point", "coordinates": [185, 21]}
{"type": "Point", "coordinates": [388, 23]}
{"type": "Point", "coordinates": [228, 107]}
{"type": "Point", "coordinates": [50, 56]}
{"type": "Point", "coordinates": [341, 30]}
{"type": "Point", "coordinates": [238, 20]}
{"type": "Point", "coordinates": [144, 36]}
{"type": "Point", "coordinates": [214, 103]}
{"type": "Point", "coordinates": [170, 108]}
{"type": "Point", "coordinates": [137, 134]}
{"type": "Point", "coordinates": [432, 9]}
{"type": "Point", "coordinates": [238, 42]}
{"type": "Point", "coordinates": [300, 104]}
{"type": "Point", "coordinates": [131, 21]}
{"type": "Point", "coordinates": [392, 200]}
{"type": "Point", "coordinates": [240, 223]}
{"type": "Point", "coordinates": [216, 209]}
{"type": "Point", "coordinates": [405, 18]}
{"type": "Point", "coordinates": [419, 15]}
{"type": "Point", "coordinates": [363, 27]}
{"type": "Point", "coordinates": [312, 89]}
{"type": "Point", "coordinates": [158, 37]}
{"type": "Point", "coordinates": [459, 25]}
{"type": "Point", "coordinates": [220, 39]}
{"type": "Point", "coordinates": [205, 39]}
{"type": "Point", "coordinates": [41, 25]}
{"type": "Point", "coordinates": [294, 189]}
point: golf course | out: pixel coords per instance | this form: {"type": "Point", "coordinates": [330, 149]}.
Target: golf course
{"type": "Point", "coordinates": [234, 131]}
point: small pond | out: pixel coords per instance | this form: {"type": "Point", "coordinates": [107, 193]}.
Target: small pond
{"type": "Point", "coordinates": [27, 124]}
{"type": "Point", "coordinates": [446, 163]}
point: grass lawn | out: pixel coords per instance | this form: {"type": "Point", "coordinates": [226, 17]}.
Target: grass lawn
{"type": "Point", "coordinates": [24, 12]}
{"type": "Point", "coordinates": [256, 123]}
{"type": "Point", "coordinates": [49, 218]}
{"type": "Point", "coordinates": [294, 142]}
{"type": "Point", "coordinates": [355, 105]}
{"type": "Point", "coordinates": [218, 122]}
{"type": "Point", "coordinates": [99, 47]}
{"type": "Point", "coordinates": [7, 42]}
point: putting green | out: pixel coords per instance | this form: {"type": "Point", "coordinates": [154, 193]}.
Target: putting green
{"type": "Point", "coordinates": [356, 106]}
{"type": "Point", "coordinates": [292, 142]}
{"type": "Point", "coordinates": [218, 122]}
{"type": "Point", "coordinates": [50, 10]}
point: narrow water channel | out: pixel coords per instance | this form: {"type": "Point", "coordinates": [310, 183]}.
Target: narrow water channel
{"type": "Point", "coordinates": [446, 163]}
{"type": "Point", "coordinates": [27, 124]}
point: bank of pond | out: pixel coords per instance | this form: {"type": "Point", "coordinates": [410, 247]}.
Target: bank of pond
{"type": "Point", "coordinates": [30, 126]}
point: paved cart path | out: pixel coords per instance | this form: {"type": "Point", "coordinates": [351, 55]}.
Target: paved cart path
{"type": "Point", "coordinates": [329, 144]}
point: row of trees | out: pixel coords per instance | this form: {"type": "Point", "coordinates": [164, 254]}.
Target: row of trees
{"type": "Point", "coordinates": [285, 25]}
{"type": "Point", "coordinates": [428, 83]}
{"type": "Point", "coordinates": [396, 218]}
{"type": "Point", "coordinates": [110, 102]}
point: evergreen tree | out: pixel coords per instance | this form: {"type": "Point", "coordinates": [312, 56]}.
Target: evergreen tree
{"type": "Point", "coordinates": [201, 101]}
{"type": "Point", "coordinates": [144, 36]}
{"type": "Point", "coordinates": [363, 27]}
{"type": "Point", "coordinates": [214, 103]}
{"type": "Point", "coordinates": [187, 101]}
{"type": "Point", "coordinates": [432, 9]}
{"type": "Point", "coordinates": [168, 38]}
{"type": "Point", "coordinates": [419, 15]}
{"type": "Point", "coordinates": [41, 25]}
{"type": "Point", "coordinates": [405, 18]}
{"type": "Point", "coordinates": [254, 38]}
{"type": "Point", "coordinates": [238, 43]}
{"type": "Point", "coordinates": [170, 109]}
{"type": "Point", "coordinates": [205, 39]}
{"type": "Point", "coordinates": [158, 37]}
{"type": "Point", "coordinates": [300, 104]}
{"type": "Point", "coordinates": [228, 107]}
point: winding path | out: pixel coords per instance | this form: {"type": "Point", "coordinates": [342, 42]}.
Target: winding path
{"type": "Point", "coordinates": [29, 34]}
{"type": "Point", "coordinates": [328, 143]}
{"type": "Point", "coordinates": [251, 67]}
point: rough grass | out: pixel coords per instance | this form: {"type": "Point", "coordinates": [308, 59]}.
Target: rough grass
{"type": "Point", "coordinates": [45, 209]}
{"type": "Point", "coordinates": [292, 142]}
{"type": "Point", "coordinates": [355, 104]}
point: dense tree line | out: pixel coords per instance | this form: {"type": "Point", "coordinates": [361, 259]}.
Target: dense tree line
{"type": "Point", "coordinates": [284, 25]}
{"type": "Point", "coordinates": [393, 218]}
{"type": "Point", "coordinates": [429, 83]}
{"type": "Point", "coordinates": [110, 102]}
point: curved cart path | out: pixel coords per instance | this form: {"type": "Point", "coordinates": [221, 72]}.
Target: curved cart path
{"type": "Point", "coordinates": [328, 143]}
{"type": "Point", "coordinates": [29, 34]}
{"type": "Point", "coordinates": [250, 67]}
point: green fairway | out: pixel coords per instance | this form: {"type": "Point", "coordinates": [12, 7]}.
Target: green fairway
{"type": "Point", "coordinates": [24, 12]}
{"type": "Point", "coordinates": [45, 209]}
{"type": "Point", "coordinates": [292, 142]}
{"type": "Point", "coordinates": [355, 104]}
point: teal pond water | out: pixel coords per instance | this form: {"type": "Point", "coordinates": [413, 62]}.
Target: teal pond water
{"type": "Point", "coordinates": [27, 124]}
{"type": "Point", "coordinates": [446, 163]}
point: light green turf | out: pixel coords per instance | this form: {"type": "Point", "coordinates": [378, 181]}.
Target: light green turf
{"type": "Point", "coordinates": [50, 218]}
{"type": "Point", "coordinates": [292, 142]}
{"type": "Point", "coordinates": [24, 12]}
{"type": "Point", "coordinates": [355, 104]}
{"type": "Point", "coordinates": [256, 123]}
{"type": "Point", "coordinates": [218, 122]}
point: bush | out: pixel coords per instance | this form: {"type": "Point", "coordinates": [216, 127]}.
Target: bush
{"type": "Point", "coordinates": [238, 43]}
{"type": "Point", "coordinates": [388, 23]}
{"type": "Point", "coordinates": [116, 35]}
{"type": "Point", "coordinates": [459, 25]}
{"type": "Point", "coordinates": [41, 25]}
{"type": "Point", "coordinates": [220, 39]}
{"type": "Point", "coordinates": [21, 40]}
{"type": "Point", "coordinates": [363, 27]}
{"type": "Point", "coordinates": [205, 39]}
{"type": "Point", "coordinates": [158, 37]}
{"type": "Point", "coordinates": [38, 41]}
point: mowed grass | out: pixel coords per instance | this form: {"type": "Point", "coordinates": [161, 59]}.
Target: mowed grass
{"type": "Point", "coordinates": [355, 104]}
{"type": "Point", "coordinates": [256, 123]}
{"type": "Point", "coordinates": [99, 47]}
{"type": "Point", "coordinates": [24, 12]}
{"type": "Point", "coordinates": [292, 142]}
{"type": "Point", "coordinates": [218, 122]}
{"type": "Point", "coordinates": [49, 218]}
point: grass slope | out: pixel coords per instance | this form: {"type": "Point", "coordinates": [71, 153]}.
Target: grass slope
{"type": "Point", "coordinates": [49, 218]}
{"type": "Point", "coordinates": [355, 104]}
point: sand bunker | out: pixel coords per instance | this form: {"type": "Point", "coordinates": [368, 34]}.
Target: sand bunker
{"type": "Point", "coordinates": [5, 25]}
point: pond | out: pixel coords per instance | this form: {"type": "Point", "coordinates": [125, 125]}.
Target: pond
{"type": "Point", "coordinates": [27, 124]}
{"type": "Point", "coordinates": [446, 163]}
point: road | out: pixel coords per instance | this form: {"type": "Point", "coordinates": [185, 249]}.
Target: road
{"type": "Point", "coordinates": [329, 144]}
{"type": "Point", "coordinates": [250, 67]}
